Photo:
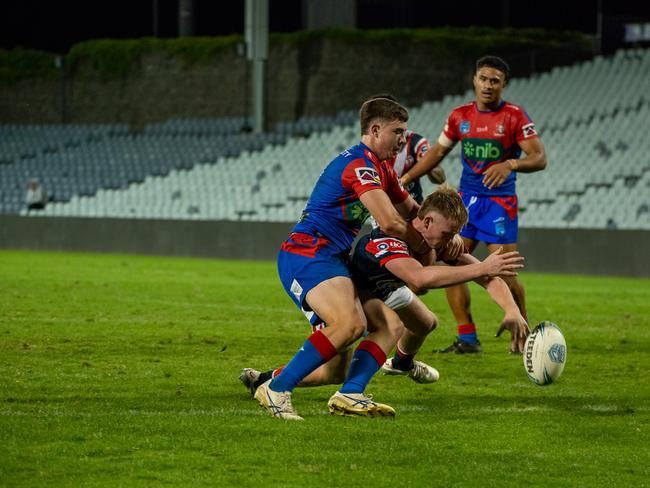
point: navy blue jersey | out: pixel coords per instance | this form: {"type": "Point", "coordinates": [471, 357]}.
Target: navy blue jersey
{"type": "Point", "coordinates": [415, 147]}
{"type": "Point", "coordinates": [368, 263]}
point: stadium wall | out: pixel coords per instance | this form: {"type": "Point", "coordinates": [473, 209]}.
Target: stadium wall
{"type": "Point", "coordinates": [312, 73]}
{"type": "Point", "coordinates": [575, 251]}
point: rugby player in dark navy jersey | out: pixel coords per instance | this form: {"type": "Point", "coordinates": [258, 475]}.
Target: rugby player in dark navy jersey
{"type": "Point", "coordinates": [415, 147]}
{"type": "Point", "coordinates": [385, 266]}
{"type": "Point", "coordinates": [493, 133]}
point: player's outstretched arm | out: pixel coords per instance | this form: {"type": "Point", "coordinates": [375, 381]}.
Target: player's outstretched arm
{"type": "Point", "coordinates": [512, 319]}
{"type": "Point", "coordinates": [414, 274]}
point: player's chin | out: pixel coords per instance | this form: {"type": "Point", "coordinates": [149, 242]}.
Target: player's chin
{"type": "Point", "coordinates": [487, 97]}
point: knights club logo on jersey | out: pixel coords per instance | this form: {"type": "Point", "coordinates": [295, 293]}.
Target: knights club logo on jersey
{"type": "Point", "coordinates": [529, 130]}
{"type": "Point", "coordinates": [368, 176]}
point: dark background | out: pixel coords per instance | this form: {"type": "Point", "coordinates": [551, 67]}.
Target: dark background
{"type": "Point", "coordinates": [56, 26]}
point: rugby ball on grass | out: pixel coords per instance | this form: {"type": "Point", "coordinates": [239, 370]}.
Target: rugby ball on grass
{"type": "Point", "coordinates": [545, 353]}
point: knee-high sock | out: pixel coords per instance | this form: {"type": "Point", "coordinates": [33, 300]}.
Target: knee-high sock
{"type": "Point", "coordinates": [316, 350]}
{"type": "Point", "coordinates": [366, 361]}
{"type": "Point", "coordinates": [467, 333]}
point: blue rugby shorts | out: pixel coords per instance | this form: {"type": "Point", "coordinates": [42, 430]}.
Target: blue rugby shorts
{"type": "Point", "coordinates": [491, 219]}
{"type": "Point", "coordinates": [305, 261]}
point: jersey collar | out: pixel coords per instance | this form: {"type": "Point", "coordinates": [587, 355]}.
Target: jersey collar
{"type": "Point", "coordinates": [369, 153]}
{"type": "Point", "coordinates": [501, 105]}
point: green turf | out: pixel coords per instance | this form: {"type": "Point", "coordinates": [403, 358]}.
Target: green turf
{"type": "Point", "coordinates": [122, 371]}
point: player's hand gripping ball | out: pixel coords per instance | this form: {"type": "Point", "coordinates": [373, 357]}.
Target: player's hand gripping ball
{"type": "Point", "coordinates": [545, 353]}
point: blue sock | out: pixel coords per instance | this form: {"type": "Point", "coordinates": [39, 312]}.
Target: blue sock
{"type": "Point", "coordinates": [316, 350]}
{"type": "Point", "coordinates": [366, 361]}
{"type": "Point", "coordinates": [467, 333]}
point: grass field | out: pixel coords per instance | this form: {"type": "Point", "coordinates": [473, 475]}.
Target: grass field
{"type": "Point", "coordinates": [122, 371]}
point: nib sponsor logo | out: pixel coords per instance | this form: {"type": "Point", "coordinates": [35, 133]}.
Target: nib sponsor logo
{"type": "Point", "coordinates": [482, 149]}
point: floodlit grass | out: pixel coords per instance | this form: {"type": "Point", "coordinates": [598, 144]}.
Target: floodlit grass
{"type": "Point", "coordinates": [122, 371]}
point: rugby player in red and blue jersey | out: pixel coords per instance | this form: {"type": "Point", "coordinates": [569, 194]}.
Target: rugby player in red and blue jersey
{"type": "Point", "coordinates": [492, 133]}
{"type": "Point", "coordinates": [312, 262]}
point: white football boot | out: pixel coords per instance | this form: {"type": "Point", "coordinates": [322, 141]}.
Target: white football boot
{"type": "Point", "coordinates": [421, 372]}
{"type": "Point", "coordinates": [358, 404]}
{"type": "Point", "coordinates": [277, 404]}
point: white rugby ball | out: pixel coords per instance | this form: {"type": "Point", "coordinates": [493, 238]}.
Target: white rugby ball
{"type": "Point", "coordinates": [545, 353]}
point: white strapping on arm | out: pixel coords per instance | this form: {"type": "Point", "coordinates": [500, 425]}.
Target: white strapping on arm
{"type": "Point", "coordinates": [443, 140]}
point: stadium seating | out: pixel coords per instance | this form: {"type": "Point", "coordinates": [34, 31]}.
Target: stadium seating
{"type": "Point", "coordinates": [592, 118]}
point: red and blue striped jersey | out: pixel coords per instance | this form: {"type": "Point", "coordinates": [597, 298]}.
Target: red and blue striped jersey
{"type": "Point", "coordinates": [334, 210]}
{"type": "Point", "coordinates": [414, 149]}
{"type": "Point", "coordinates": [488, 138]}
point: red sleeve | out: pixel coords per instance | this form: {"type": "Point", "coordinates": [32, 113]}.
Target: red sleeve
{"type": "Point", "coordinates": [525, 127]}
{"type": "Point", "coordinates": [360, 176]}
{"type": "Point", "coordinates": [386, 249]}
{"type": "Point", "coordinates": [394, 188]}
{"type": "Point", "coordinates": [385, 260]}
{"type": "Point", "coordinates": [451, 127]}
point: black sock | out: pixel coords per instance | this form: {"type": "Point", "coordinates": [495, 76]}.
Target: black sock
{"type": "Point", "coordinates": [264, 377]}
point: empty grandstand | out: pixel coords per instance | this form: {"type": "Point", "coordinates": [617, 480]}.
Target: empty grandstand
{"type": "Point", "coordinates": [593, 118]}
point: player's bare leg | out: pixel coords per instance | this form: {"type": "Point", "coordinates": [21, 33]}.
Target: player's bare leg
{"type": "Point", "coordinates": [337, 303]}
{"type": "Point", "coordinates": [459, 300]}
{"type": "Point", "coordinates": [516, 287]}
{"type": "Point", "coordinates": [385, 328]}
{"type": "Point", "coordinates": [418, 321]}
{"type": "Point", "coordinates": [331, 373]}
{"type": "Point", "coordinates": [346, 323]}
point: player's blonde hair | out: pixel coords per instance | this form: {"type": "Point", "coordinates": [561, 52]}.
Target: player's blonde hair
{"type": "Point", "coordinates": [384, 107]}
{"type": "Point", "coordinates": [447, 202]}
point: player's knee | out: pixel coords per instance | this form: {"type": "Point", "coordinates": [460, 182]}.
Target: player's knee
{"type": "Point", "coordinates": [425, 326]}
{"type": "Point", "coordinates": [357, 330]}
{"type": "Point", "coordinates": [433, 323]}
{"type": "Point", "coordinates": [354, 330]}
{"type": "Point", "coordinates": [350, 328]}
